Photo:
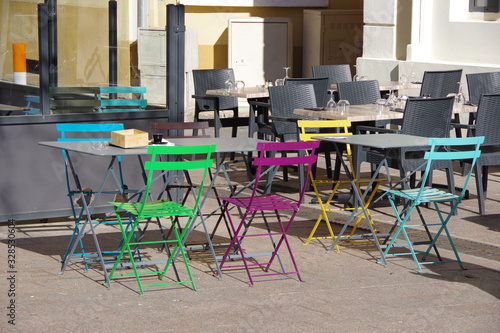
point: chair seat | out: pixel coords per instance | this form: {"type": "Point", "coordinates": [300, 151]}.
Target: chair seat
{"type": "Point", "coordinates": [429, 194]}
{"type": "Point", "coordinates": [264, 202]}
{"type": "Point", "coordinates": [157, 208]}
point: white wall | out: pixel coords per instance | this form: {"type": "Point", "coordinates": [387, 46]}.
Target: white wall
{"type": "Point", "coordinates": [443, 36]}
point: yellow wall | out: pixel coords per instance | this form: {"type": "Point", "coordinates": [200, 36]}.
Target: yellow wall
{"type": "Point", "coordinates": [211, 24]}
{"type": "Point", "coordinates": [83, 35]}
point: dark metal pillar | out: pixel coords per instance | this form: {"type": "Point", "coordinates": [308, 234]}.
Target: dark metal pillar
{"type": "Point", "coordinates": [113, 43]}
{"type": "Point", "coordinates": [175, 77]}
{"type": "Point", "coordinates": [43, 56]}
{"type": "Point", "coordinates": [53, 46]}
{"type": "Point", "coordinates": [176, 30]}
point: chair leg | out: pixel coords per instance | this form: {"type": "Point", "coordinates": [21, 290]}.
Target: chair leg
{"type": "Point", "coordinates": [478, 170]}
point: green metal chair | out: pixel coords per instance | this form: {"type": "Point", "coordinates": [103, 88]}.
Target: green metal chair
{"type": "Point", "coordinates": [441, 149]}
{"type": "Point", "coordinates": [164, 160]}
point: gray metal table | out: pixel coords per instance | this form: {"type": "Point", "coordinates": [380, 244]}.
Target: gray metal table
{"type": "Point", "coordinates": [224, 147]}
{"type": "Point", "coordinates": [386, 142]}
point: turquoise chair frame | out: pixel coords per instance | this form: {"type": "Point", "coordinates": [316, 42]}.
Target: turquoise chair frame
{"type": "Point", "coordinates": [441, 149]}
{"type": "Point", "coordinates": [84, 132]}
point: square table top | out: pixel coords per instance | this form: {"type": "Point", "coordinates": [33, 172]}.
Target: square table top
{"type": "Point", "coordinates": [224, 145]}
{"type": "Point", "coordinates": [366, 112]}
{"type": "Point", "coordinates": [380, 141]}
{"type": "Point", "coordinates": [247, 92]}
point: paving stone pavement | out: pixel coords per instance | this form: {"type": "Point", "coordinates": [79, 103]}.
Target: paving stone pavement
{"type": "Point", "coordinates": [341, 292]}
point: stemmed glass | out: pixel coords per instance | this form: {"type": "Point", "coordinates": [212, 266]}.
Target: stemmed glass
{"type": "Point", "coordinates": [413, 75]}
{"type": "Point", "coordinates": [331, 105]}
{"type": "Point", "coordinates": [392, 100]}
{"type": "Point", "coordinates": [459, 97]}
{"type": "Point", "coordinates": [286, 72]}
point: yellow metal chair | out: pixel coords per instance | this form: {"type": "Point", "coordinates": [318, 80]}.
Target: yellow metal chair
{"type": "Point", "coordinates": [325, 195]}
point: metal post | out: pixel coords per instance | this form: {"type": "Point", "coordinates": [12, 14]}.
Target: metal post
{"type": "Point", "coordinates": [52, 35]}
{"type": "Point", "coordinates": [175, 76]}
{"type": "Point", "coordinates": [43, 56]}
{"type": "Point", "coordinates": [113, 44]}
{"type": "Point", "coordinates": [175, 61]}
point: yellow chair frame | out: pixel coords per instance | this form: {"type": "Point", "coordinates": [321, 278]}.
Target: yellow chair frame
{"type": "Point", "coordinates": [343, 130]}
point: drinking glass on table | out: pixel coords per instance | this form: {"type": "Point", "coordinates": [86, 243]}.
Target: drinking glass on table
{"type": "Point", "coordinates": [343, 106]}
{"type": "Point", "coordinates": [279, 82]}
{"type": "Point", "coordinates": [240, 85]}
{"type": "Point", "coordinates": [459, 97]}
{"type": "Point", "coordinates": [331, 105]}
{"type": "Point", "coordinates": [392, 100]}
{"type": "Point", "coordinates": [286, 72]}
{"type": "Point", "coordinates": [380, 103]}
{"type": "Point", "coordinates": [228, 85]}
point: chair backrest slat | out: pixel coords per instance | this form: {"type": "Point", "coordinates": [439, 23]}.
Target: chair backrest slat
{"type": "Point", "coordinates": [67, 130]}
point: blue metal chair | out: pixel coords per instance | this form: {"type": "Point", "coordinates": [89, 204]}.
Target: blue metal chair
{"type": "Point", "coordinates": [441, 149]}
{"type": "Point", "coordinates": [84, 132]}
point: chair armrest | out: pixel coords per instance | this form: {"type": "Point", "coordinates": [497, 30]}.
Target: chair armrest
{"type": "Point", "coordinates": [205, 97]}
{"type": "Point", "coordinates": [259, 103]}
{"type": "Point", "coordinates": [463, 126]}
{"type": "Point", "coordinates": [292, 120]}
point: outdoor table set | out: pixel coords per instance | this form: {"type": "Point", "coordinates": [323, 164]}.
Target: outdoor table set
{"type": "Point", "coordinates": [148, 202]}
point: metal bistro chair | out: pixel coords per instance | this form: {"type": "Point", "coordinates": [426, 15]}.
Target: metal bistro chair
{"type": "Point", "coordinates": [487, 125]}
{"type": "Point", "coordinates": [205, 79]}
{"type": "Point", "coordinates": [424, 194]}
{"type": "Point", "coordinates": [326, 196]}
{"type": "Point", "coordinates": [175, 158]}
{"type": "Point", "coordinates": [270, 207]}
{"type": "Point", "coordinates": [84, 132]}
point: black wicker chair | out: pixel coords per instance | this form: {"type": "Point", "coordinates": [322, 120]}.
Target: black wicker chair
{"type": "Point", "coordinates": [320, 85]}
{"type": "Point", "coordinates": [205, 79]}
{"type": "Point", "coordinates": [440, 83]}
{"type": "Point", "coordinates": [334, 73]}
{"type": "Point", "coordinates": [487, 125]}
{"type": "Point", "coordinates": [482, 83]}
{"type": "Point", "coordinates": [428, 117]}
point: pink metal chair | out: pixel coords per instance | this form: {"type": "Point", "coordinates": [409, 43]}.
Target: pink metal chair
{"type": "Point", "coordinates": [263, 201]}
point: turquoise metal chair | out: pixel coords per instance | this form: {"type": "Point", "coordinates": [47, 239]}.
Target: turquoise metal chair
{"type": "Point", "coordinates": [167, 160]}
{"type": "Point", "coordinates": [441, 149]}
{"type": "Point", "coordinates": [84, 132]}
